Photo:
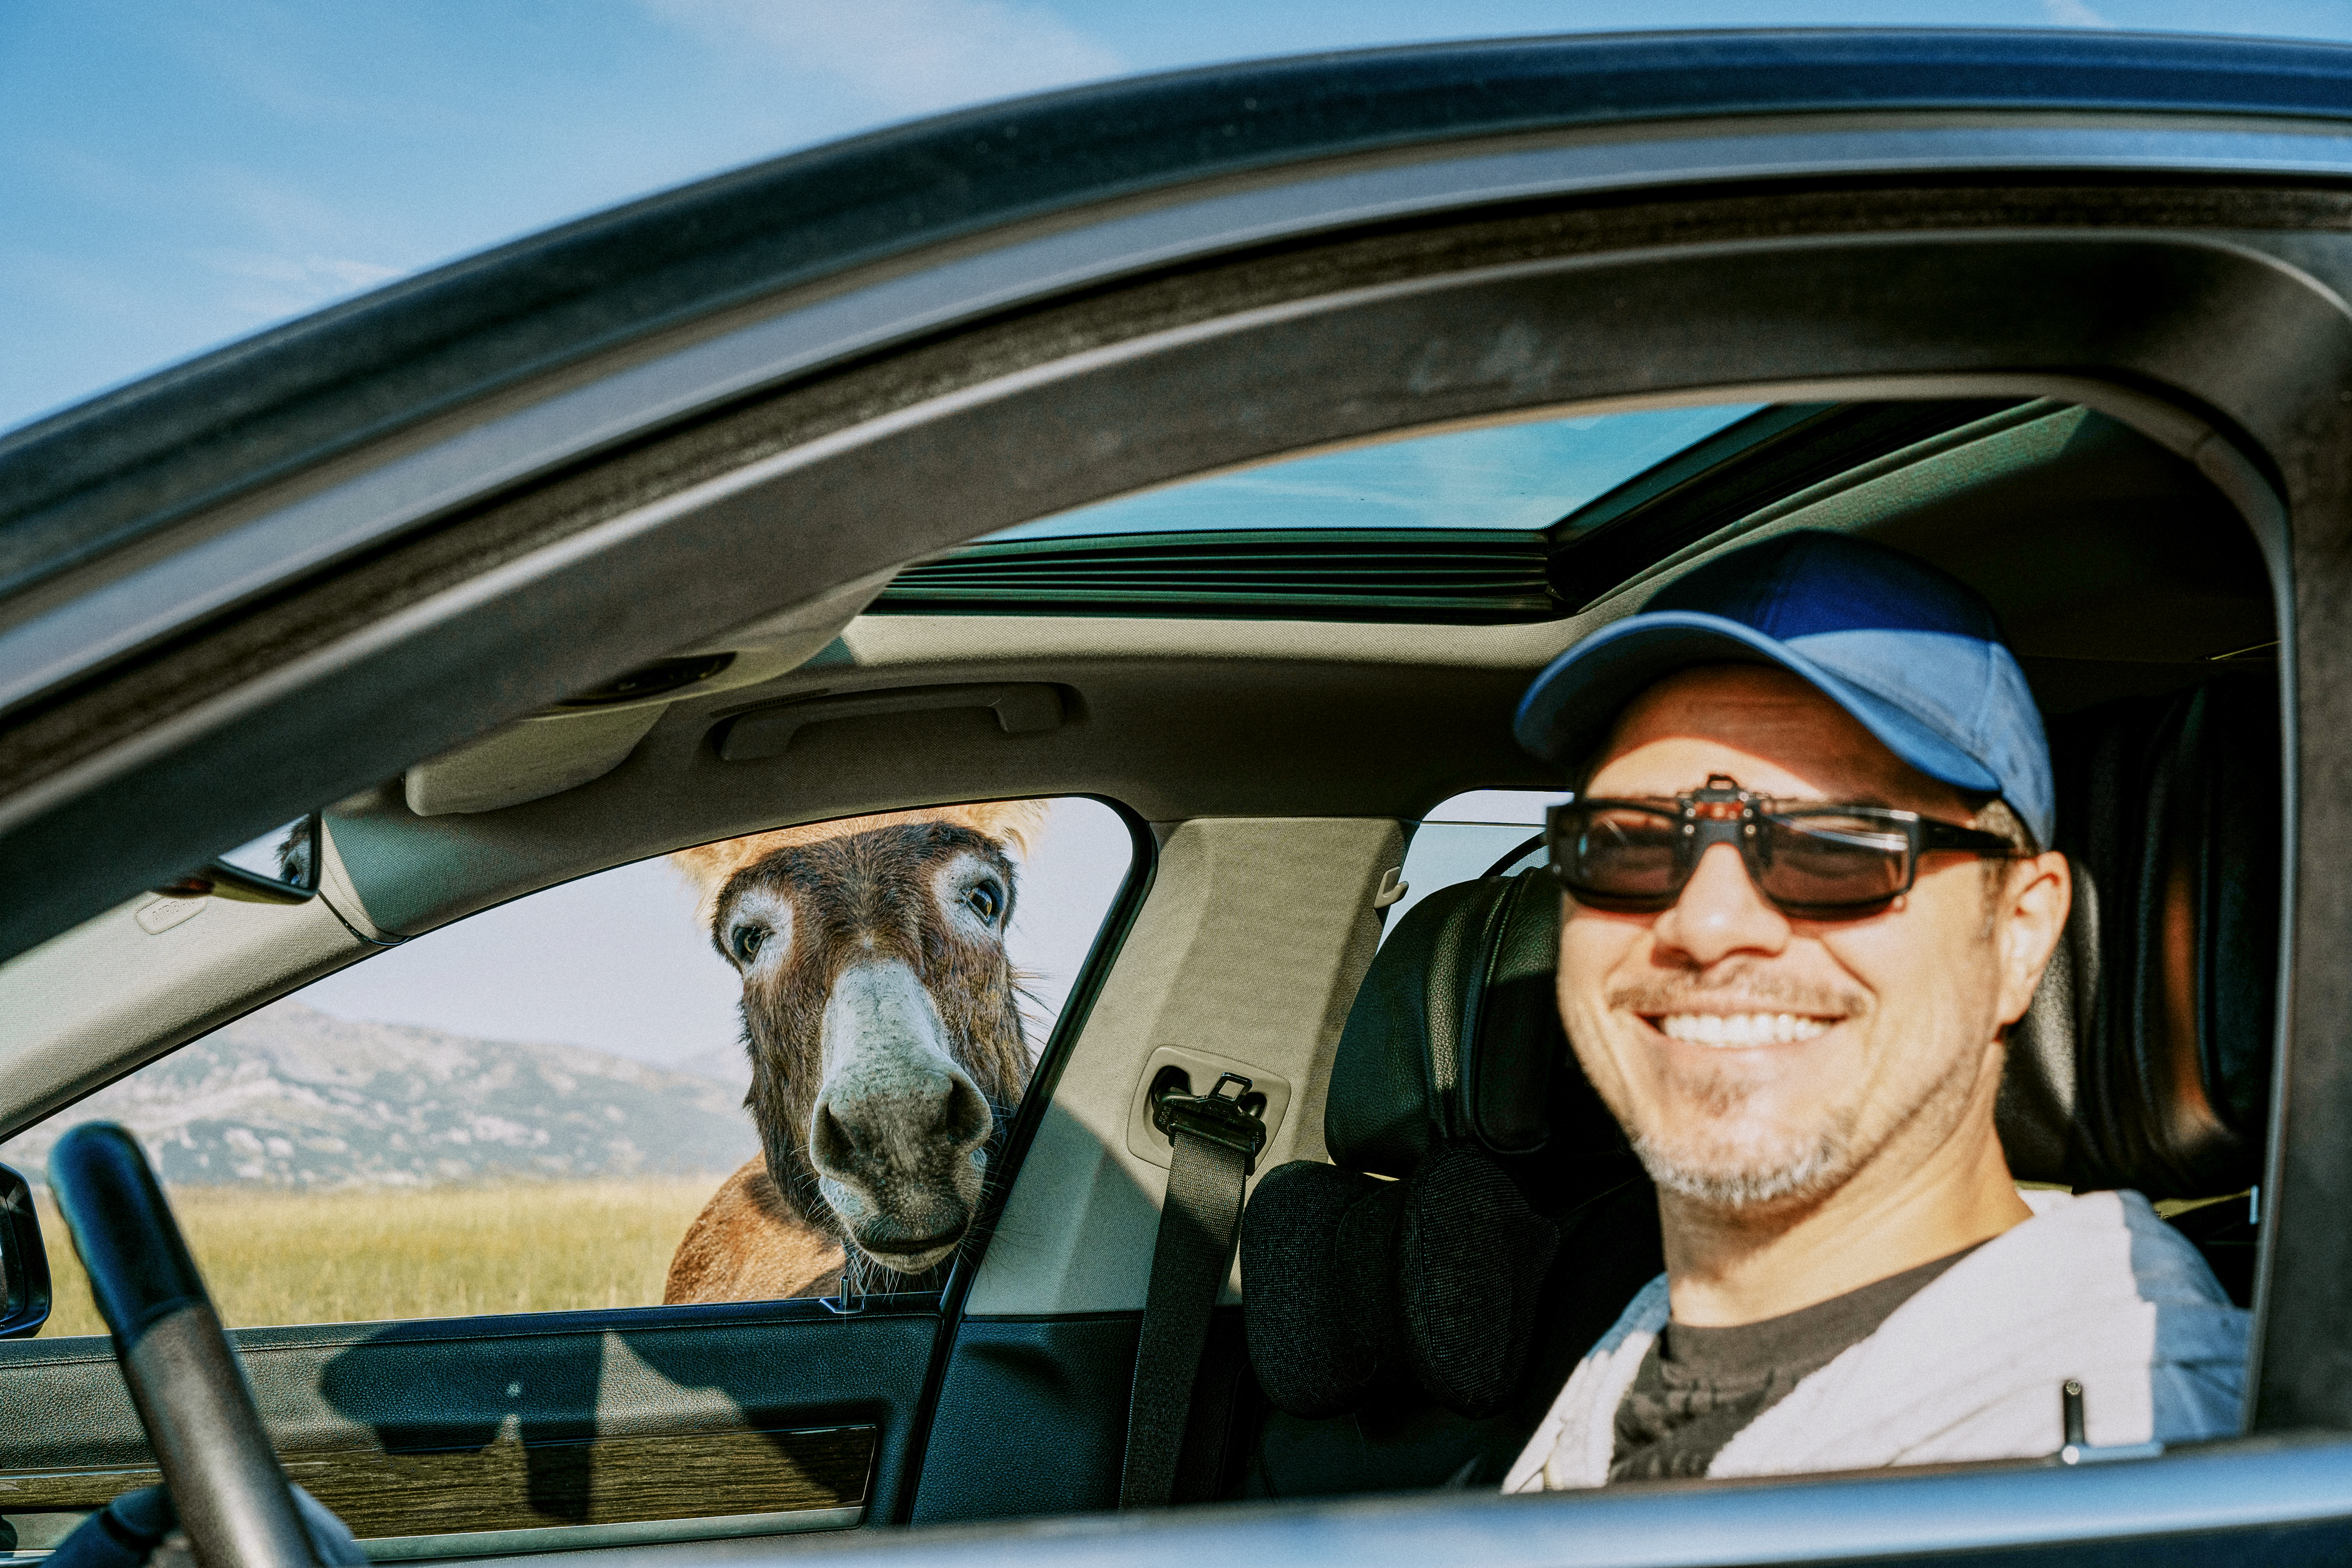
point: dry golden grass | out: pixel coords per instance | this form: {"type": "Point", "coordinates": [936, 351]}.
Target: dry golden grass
{"type": "Point", "coordinates": [343, 1256]}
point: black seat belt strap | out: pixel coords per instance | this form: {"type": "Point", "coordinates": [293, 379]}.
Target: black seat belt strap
{"type": "Point", "coordinates": [1216, 1143]}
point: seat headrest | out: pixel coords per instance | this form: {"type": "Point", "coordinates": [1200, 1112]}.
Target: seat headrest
{"type": "Point", "coordinates": [1453, 1077]}
{"type": "Point", "coordinates": [2145, 1061]}
{"type": "Point", "coordinates": [1455, 1035]}
{"type": "Point", "coordinates": [1476, 958]}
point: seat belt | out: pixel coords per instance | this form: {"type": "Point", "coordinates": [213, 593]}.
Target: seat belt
{"type": "Point", "coordinates": [1215, 1145]}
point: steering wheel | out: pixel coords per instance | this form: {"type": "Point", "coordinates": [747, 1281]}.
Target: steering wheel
{"type": "Point", "coordinates": [227, 1486]}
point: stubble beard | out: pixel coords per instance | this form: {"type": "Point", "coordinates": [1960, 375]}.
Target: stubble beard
{"type": "Point", "coordinates": [1725, 1165]}
{"type": "Point", "coordinates": [1718, 1156]}
{"type": "Point", "coordinates": [1737, 1171]}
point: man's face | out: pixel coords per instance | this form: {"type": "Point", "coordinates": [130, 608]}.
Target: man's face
{"type": "Point", "coordinates": [1754, 1057]}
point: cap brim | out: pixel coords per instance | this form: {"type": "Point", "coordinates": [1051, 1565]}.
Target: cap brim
{"type": "Point", "coordinates": [1569, 710]}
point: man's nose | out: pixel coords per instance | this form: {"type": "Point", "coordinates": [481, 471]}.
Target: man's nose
{"type": "Point", "coordinates": [1721, 912]}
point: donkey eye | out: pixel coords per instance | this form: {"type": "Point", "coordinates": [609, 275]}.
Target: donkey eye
{"type": "Point", "coordinates": [746, 940]}
{"type": "Point", "coordinates": [985, 899]}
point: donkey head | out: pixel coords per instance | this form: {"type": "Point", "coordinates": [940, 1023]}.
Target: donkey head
{"type": "Point", "coordinates": [882, 1017]}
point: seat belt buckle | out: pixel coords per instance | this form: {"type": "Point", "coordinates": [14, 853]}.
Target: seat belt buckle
{"type": "Point", "coordinates": [1220, 1118]}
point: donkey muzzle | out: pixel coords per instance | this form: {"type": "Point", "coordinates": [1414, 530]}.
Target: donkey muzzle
{"type": "Point", "coordinates": [898, 1129]}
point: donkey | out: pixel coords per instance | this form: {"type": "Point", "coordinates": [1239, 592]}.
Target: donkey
{"type": "Point", "coordinates": [884, 1026]}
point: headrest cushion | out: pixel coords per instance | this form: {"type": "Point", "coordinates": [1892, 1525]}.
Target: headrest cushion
{"type": "Point", "coordinates": [1353, 1284]}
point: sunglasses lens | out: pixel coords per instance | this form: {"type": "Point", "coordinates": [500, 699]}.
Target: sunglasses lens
{"type": "Point", "coordinates": [1828, 861]}
{"type": "Point", "coordinates": [1618, 852]}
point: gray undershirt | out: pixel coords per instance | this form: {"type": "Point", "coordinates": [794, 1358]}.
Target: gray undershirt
{"type": "Point", "coordinates": [1697, 1388]}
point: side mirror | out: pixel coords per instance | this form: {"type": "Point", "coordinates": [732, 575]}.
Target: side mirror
{"type": "Point", "coordinates": [24, 1265]}
{"type": "Point", "coordinates": [281, 867]}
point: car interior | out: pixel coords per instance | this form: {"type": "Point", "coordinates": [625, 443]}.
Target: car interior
{"type": "Point", "coordinates": [1273, 710]}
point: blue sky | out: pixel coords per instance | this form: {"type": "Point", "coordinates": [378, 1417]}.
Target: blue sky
{"type": "Point", "coordinates": [175, 175]}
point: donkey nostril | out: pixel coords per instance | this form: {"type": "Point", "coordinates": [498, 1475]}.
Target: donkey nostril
{"type": "Point", "coordinates": [832, 1145]}
{"type": "Point", "coordinates": [965, 1120]}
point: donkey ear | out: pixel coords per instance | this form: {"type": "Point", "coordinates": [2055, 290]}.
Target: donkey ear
{"type": "Point", "coordinates": [707, 867]}
{"type": "Point", "coordinates": [1018, 824]}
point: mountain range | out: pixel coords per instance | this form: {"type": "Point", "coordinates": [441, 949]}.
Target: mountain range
{"type": "Point", "coordinates": [290, 1097]}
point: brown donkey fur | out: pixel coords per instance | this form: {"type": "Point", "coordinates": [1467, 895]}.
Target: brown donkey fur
{"type": "Point", "coordinates": [873, 960]}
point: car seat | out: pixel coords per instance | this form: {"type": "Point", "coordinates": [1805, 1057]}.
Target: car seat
{"type": "Point", "coordinates": [2146, 1059]}
{"type": "Point", "coordinates": [1412, 1308]}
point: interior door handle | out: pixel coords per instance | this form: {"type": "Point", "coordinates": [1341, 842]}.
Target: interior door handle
{"type": "Point", "coordinates": [1023, 710]}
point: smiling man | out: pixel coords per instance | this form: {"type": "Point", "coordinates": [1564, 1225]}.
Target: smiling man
{"type": "Point", "coordinates": [1806, 896]}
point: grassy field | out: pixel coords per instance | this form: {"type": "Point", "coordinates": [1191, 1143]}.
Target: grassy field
{"type": "Point", "coordinates": [276, 1257]}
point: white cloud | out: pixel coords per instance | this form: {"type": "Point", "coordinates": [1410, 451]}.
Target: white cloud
{"type": "Point", "coordinates": [270, 287]}
{"type": "Point", "coordinates": [288, 251]}
{"type": "Point", "coordinates": [2073, 14]}
{"type": "Point", "coordinates": [910, 55]}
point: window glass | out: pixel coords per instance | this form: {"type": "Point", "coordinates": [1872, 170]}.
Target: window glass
{"type": "Point", "coordinates": [529, 1110]}
{"type": "Point", "coordinates": [1523, 476]}
{"type": "Point", "coordinates": [1481, 833]}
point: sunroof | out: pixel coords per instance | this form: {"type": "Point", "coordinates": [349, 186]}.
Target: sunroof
{"type": "Point", "coordinates": [1514, 477]}
{"type": "Point", "coordinates": [1518, 522]}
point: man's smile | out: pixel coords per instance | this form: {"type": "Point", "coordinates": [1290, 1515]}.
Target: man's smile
{"type": "Point", "coordinates": [1732, 1030]}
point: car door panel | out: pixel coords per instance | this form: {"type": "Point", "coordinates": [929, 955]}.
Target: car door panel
{"type": "Point", "coordinates": [605, 1426]}
{"type": "Point", "coordinates": [1032, 1419]}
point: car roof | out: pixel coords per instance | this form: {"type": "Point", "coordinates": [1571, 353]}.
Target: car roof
{"type": "Point", "coordinates": [179, 548]}
{"type": "Point", "coordinates": [93, 477]}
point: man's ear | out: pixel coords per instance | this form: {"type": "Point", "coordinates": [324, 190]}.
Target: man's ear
{"type": "Point", "coordinates": [2027, 920]}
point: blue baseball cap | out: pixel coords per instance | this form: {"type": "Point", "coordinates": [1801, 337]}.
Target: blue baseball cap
{"type": "Point", "coordinates": [1911, 653]}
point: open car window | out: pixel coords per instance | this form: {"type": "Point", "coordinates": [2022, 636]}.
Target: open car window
{"type": "Point", "coordinates": [528, 1110]}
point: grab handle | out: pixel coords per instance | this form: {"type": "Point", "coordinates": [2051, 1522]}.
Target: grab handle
{"type": "Point", "coordinates": [1024, 709]}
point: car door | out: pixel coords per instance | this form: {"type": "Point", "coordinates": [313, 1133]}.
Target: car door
{"type": "Point", "coordinates": [305, 567]}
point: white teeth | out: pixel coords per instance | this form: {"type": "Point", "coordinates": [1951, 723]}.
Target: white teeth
{"type": "Point", "coordinates": [1742, 1028]}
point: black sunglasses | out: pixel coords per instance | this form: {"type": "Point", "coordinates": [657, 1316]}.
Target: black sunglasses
{"type": "Point", "coordinates": [1834, 861]}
